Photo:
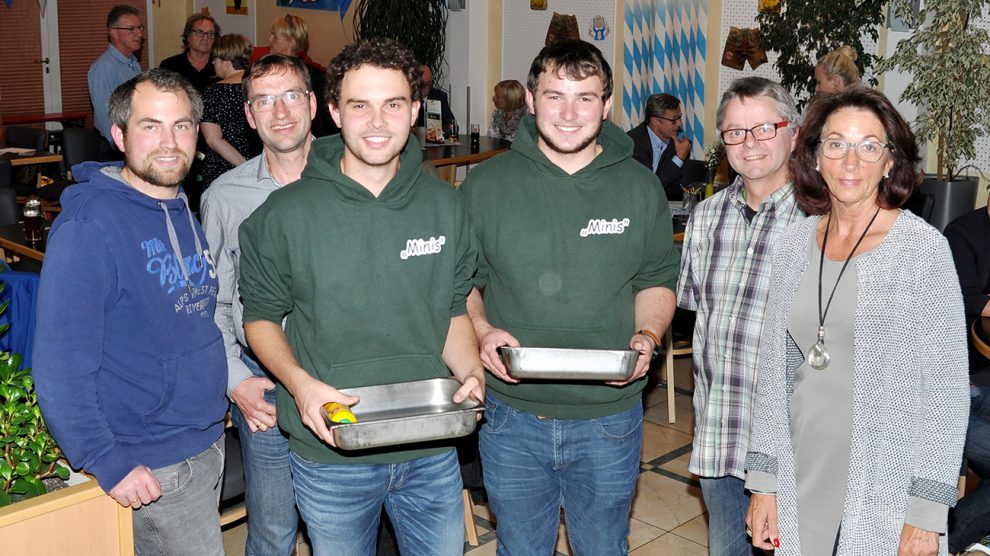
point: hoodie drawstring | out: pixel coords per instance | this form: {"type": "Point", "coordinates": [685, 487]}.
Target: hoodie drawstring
{"type": "Point", "coordinates": [174, 239]}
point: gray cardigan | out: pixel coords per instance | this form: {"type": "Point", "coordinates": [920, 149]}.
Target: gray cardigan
{"type": "Point", "coordinates": [911, 396]}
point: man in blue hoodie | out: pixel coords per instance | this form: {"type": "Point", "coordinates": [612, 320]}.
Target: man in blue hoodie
{"type": "Point", "coordinates": [129, 365]}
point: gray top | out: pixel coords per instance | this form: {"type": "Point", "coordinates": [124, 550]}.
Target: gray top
{"type": "Point", "coordinates": [821, 406]}
{"type": "Point", "coordinates": [226, 203]}
{"type": "Point", "coordinates": [910, 397]}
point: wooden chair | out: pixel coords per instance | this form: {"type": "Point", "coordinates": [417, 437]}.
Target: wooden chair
{"type": "Point", "coordinates": [470, 529]}
{"type": "Point", "coordinates": [670, 350]}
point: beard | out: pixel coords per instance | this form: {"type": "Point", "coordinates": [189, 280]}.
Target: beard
{"type": "Point", "coordinates": [548, 140]}
{"type": "Point", "coordinates": [156, 176]}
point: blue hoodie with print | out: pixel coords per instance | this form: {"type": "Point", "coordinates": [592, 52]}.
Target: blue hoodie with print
{"type": "Point", "coordinates": [128, 364]}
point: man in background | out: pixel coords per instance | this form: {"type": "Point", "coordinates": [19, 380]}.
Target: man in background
{"type": "Point", "coordinates": [429, 92]}
{"type": "Point", "coordinates": [117, 64]}
{"type": "Point", "coordinates": [279, 107]}
{"type": "Point", "coordinates": [725, 278]}
{"type": "Point", "coordinates": [195, 62]}
{"type": "Point", "coordinates": [658, 145]}
{"type": "Point", "coordinates": [128, 362]}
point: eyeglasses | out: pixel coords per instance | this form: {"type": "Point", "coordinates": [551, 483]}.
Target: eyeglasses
{"type": "Point", "coordinates": [867, 151]}
{"type": "Point", "coordinates": [290, 99]}
{"type": "Point", "coordinates": [673, 120]}
{"type": "Point", "coordinates": [207, 34]}
{"type": "Point", "coordinates": [138, 28]}
{"type": "Point", "coordinates": [762, 132]}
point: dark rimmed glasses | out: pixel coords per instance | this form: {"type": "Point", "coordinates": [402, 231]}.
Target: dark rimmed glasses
{"type": "Point", "coordinates": [762, 132]}
{"type": "Point", "coordinates": [131, 29]}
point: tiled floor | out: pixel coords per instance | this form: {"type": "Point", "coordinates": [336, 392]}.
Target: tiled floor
{"type": "Point", "coordinates": [668, 515]}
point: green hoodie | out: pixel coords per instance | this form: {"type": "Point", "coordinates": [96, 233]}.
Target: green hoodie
{"type": "Point", "coordinates": [562, 257]}
{"type": "Point", "coordinates": [367, 285]}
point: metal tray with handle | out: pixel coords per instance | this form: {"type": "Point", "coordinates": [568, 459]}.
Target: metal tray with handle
{"type": "Point", "coordinates": [406, 412]}
{"type": "Point", "coordinates": [569, 364]}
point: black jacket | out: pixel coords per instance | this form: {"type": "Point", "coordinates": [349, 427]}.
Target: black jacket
{"type": "Point", "coordinates": [670, 174]}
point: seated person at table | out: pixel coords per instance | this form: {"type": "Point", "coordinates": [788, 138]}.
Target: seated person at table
{"type": "Point", "coordinates": [117, 64]}
{"type": "Point", "coordinates": [195, 63]}
{"type": "Point", "coordinates": [429, 92]}
{"type": "Point", "coordinates": [335, 256]}
{"type": "Point", "coordinates": [969, 239]}
{"type": "Point", "coordinates": [290, 37]}
{"type": "Point", "coordinates": [657, 144]}
{"type": "Point", "coordinates": [510, 107]}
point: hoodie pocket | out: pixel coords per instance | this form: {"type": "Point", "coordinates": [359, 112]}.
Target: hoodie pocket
{"type": "Point", "coordinates": [193, 386]}
{"type": "Point", "coordinates": [384, 370]}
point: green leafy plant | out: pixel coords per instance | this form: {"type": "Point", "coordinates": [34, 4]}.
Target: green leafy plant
{"type": "Point", "coordinates": [802, 32]}
{"type": "Point", "coordinates": [420, 26]}
{"type": "Point", "coordinates": [948, 60]}
{"type": "Point", "coordinates": [30, 454]}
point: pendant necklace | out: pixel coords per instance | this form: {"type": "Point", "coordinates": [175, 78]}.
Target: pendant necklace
{"type": "Point", "coordinates": [818, 356]}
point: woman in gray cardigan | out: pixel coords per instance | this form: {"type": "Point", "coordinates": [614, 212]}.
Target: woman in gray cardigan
{"type": "Point", "coordinates": [862, 396]}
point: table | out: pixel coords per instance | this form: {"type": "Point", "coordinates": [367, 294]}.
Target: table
{"type": "Point", "coordinates": [67, 119]}
{"type": "Point", "coordinates": [980, 334]}
{"type": "Point", "coordinates": [12, 240]}
{"type": "Point", "coordinates": [448, 157]}
{"type": "Point", "coordinates": [36, 157]}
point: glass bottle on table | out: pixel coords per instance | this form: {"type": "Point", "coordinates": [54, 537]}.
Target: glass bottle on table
{"type": "Point", "coordinates": [34, 220]}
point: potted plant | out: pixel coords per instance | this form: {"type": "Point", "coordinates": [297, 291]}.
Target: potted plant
{"type": "Point", "coordinates": [80, 519]}
{"type": "Point", "coordinates": [419, 26]}
{"type": "Point", "coordinates": [802, 32]}
{"type": "Point", "coordinates": [947, 57]}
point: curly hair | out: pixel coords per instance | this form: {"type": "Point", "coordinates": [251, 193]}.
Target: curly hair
{"type": "Point", "coordinates": [810, 190]}
{"type": "Point", "coordinates": [381, 53]}
{"type": "Point", "coordinates": [577, 60]}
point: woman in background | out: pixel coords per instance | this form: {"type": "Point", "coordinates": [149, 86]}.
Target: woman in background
{"type": "Point", "coordinates": [510, 107]}
{"type": "Point", "coordinates": [837, 71]}
{"type": "Point", "coordinates": [224, 125]}
{"type": "Point", "coordinates": [862, 397]}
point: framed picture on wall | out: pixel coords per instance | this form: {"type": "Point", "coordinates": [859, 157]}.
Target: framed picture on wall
{"type": "Point", "coordinates": [331, 5]}
{"type": "Point", "coordinates": [238, 7]}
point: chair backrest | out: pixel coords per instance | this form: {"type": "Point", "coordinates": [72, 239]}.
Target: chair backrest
{"type": "Point", "coordinates": [10, 213]}
{"type": "Point", "coordinates": [26, 137]}
{"type": "Point", "coordinates": [80, 145]}
{"type": "Point", "coordinates": [6, 174]}
{"type": "Point", "coordinates": [693, 171]}
{"type": "Point", "coordinates": [921, 204]}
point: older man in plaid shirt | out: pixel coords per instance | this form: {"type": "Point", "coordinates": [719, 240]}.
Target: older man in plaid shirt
{"type": "Point", "coordinates": [725, 274]}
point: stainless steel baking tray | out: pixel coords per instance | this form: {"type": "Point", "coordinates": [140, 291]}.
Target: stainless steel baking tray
{"type": "Point", "coordinates": [569, 364]}
{"type": "Point", "coordinates": [406, 412]}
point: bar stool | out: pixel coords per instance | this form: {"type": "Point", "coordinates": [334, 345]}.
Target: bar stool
{"type": "Point", "coordinates": [670, 350]}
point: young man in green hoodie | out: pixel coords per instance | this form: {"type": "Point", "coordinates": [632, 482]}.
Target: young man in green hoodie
{"type": "Point", "coordinates": [576, 252]}
{"type": "Point", "coordinates": [368, 261]}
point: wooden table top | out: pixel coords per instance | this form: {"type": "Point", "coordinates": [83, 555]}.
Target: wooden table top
{"type": "Point", "coordinates": [980, 333]}
{"type": "Point", "coordinates": [36, 157]}
{"type": "Point", "coordinates": [12, 239]}
{"type": "Point", "coordinates": [78, 118]}
{"type": "Point", "coordinates": [462, 153]}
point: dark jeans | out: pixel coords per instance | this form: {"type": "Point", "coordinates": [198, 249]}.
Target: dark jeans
{"type": "Point", "coordinates": [970, 520]}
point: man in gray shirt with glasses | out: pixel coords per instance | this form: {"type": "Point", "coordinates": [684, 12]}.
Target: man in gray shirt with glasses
{"type": "Point", "coordinates": [280, 105]}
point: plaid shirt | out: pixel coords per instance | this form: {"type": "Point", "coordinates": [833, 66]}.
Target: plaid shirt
{"type": "Point", "coordinates": [725, 278]}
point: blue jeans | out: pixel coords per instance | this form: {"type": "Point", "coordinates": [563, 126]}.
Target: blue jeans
{"type": "Point", "coordinates": [341, 504]}
{"type": "Point", "coordinates": [534, 467]}
{"type": "Point", "coordinates": [726, 500]}
{"type": "Point", "coordinates": [185, 520]}
{"type": "Point", "coordinates": [271, 505]}
{"type": "Point", "coordinates": [970, 520]}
